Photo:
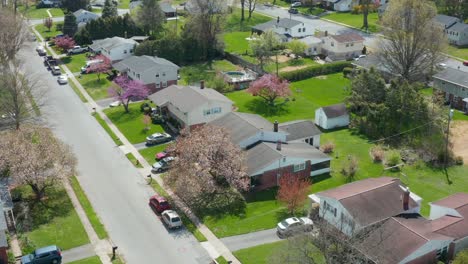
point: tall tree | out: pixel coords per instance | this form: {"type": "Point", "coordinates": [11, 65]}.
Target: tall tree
{"type": "Point", "coordinates": [69, 25]}
{"type": "Point", "coordinates": [99, 68]}
{"type": "Point", "coordinates": [269, 87]}
{"type": "Point", "coordinates": [413, 43]}
{"type": "Point", "coordinates": [252, 4]}
{"type": "Point", "coordinates": [126, 90]}
{"type": "Point", "coordinates": [242, 3]}
{"type": "Point", "coordinates": [48, 23]}
{"type": "Point", "coordinates": [150, 16]}
{"type": "Point", "coordinates": [65, 43]}
{"type": "Point", "coordinates": [365, 12]}
{"type": "Point", "coordinates": [74, 5]}
{"type": "Point", "coordinates": [293, 191]}
{"type": "Point", "coordinates": [297, 47]}
{"type": "Point", "coordinates": [263, 46]}
{"type": "Point", "coordinates": [110, 9]}
{"type": "Point", "coordinates": [34, 156]}
{"type": "Point", "coordinates": [13, 33]}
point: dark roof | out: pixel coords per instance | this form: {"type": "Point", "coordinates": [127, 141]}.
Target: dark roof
{"type": "Point", "coordinates": [299, 129]}
{"type": "Point", "coordinates": [446, 21]}
{"type": "Point", "coordinates": [348, 37]}
{"type": "Point", "coordinates": [453, 201]}
{"type": "Point", "coordinates": [110, 43]}
{"type": "Point", "coordinates": [371, 200]}
{"type": "Point", "coordinates": [453, 226]}
{"type": "Point", "coordinates": [336, 110]}
{"type": "Point", "coordinates": [167, 7]}
{"type": "Point", "coordinates": [453, 76]}
{"type": "Point", "coordinates": [283, 22]}
{"type": "Point", "coordinates": [459, 27]}
{"type": "Point", "coordinates": [142, 63]}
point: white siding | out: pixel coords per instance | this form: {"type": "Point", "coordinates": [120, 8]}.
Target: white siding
{"type": "Point", "coordinates": [120, 52]}
{"type": "Point", "coordinates": [305, 30]}
{"type": "Point", "coordinates": [322, 121]}
{"type": "Point", "coordinates": [263, 136]}
{"type": "Point", "coordinates": [197, 116]}
{"type": "Point", "coordinates": [461, 245]}
{"type": "Point", "coordinates": [343, 6]}
{"type": "Point", "coordinates": [340, 51]}
{"type": "Point", "coordinates": [438, 211]}
{"type": "Point", "coordinates": [280, 163]}
{"type": "Point", "coordinates": [316, 141]}
{"type": "Point", "coordinates": [178, 113]}
{"type": "Point", "coordinates": [166, 73]}
{"type": "Point", "coordinates": [344, 224]}
{"type": "Point", "coordinates": [426, 248]}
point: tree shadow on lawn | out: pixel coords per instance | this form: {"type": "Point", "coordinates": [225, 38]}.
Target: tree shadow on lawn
{"type": "Point", "coordinates": [260, 107]}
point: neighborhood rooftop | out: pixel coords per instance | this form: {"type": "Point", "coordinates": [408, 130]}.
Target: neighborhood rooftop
{"type": "Point", "coordinates": [142, 63]}
{"type": "Point", "coordinates": [453, 76]}
{"type": "Point", "coordinates": [282, 22]}
{"type": "Point", "coordinates": [459, 27]}
{"type": "Point", "coordinates": [109, 43]}
{"type": "Point", "coordinates": [454, 201]}
{"type": "Point", "coordinates": [167, 7]}
{"type": "Point", "coordinates": [445, 20]}
{"type": "Point", "coordinates": [335, 110]}
{"type": "Point", "coordinates": [299, 129]}
{"type": "Point", "coordinates": [347, 37]}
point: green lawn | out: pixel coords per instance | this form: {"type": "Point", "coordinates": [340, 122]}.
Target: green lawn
{"type": "Point", "coordinates": [258, 254]}
{"type": "Point", "coordinates": [77, 91]}
{"type": "Point", "coordinates": [307, 96]}
{"type": "Point", "coordinates": [45, 33]}
{"type": "Point", "coordinates": [108, 129]}
{"type": "Point", "coordinates": [53, 221]}
{"type": "Point", "coordinates": [149, 153]}
{"type": "Point", "coordinates": [91, 260]}
{"type": "Point", "coordinates": [458, 52]}
{"type": "Point", "coordinates": [133, 160]}
{"type": "Point", "coordinates": [315, 11]}
{"type": "Point", "coordinates": [131, 124]}
{"type": "Point", "coordinates": [355, 20]}
{"type": "Point", "coordinates": [460, 116]}
{"type": "Point", "coordinates": [233, 21]}
{"type": "Point", "coordinates": [236, 42]}
{"type": "Point", "coordinates": [88, 208]}
{"type": "Point", "coordinates": [97, 89]}
{"type": "Point", "coordinates": [75, 62]}
{"type": "Point", "coordinates": [271, 67]}
{"type": "Point", "coordinates": [123, 4]}
{"type": "Point", "coordinates": [221, 260]}
{"type": "Point", "coordinates": [193, 73]}
{"type": "Point", "coordinates": [172, 25]}
{"type": "Point", "coordinates": [38, 13]}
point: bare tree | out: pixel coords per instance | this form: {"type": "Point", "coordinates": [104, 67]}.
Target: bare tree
{"type": "Point", "coordinates": [413, 40]}
{"type": "Point", "coordinates": [13, 34]}
{"type": "Point", "coordinates": [252, 4]}
{"type": "Point", "coordinates": [35, 157]}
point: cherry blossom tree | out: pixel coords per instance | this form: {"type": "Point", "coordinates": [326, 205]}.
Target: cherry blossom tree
{"type": "Point", "coordinates": [269, 87]}
{"type": "Point", "coordinates": [65, 43]}
{"type": "Point", "coordinates": [293, 191]}
{"type": "Point", "coordinates": [35, 157]}
{"type": "Point", "coordinates": [101, 67]}
{"type": "Point", "coordinates": [126, 90]}
{"type": "Point", "coordinates": [209, 169]}
{"type": "Point", "coordinates": [48, 23]}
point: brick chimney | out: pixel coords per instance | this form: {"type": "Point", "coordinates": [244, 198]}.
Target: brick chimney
{"type": "Point", "coordinates": [275, 126]}
{"type": "Point", "coordinates": [406, 197]}
{"type": "Point", "coordinates": [202, 84]}
{"type": "Point", "coordinates": [278, 145]}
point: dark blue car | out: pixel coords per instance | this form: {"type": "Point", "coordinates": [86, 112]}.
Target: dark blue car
{"type": "Point", "coordinates": [45, 255]}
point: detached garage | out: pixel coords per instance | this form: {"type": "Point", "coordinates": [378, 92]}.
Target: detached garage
{"type": "Point", "coordinates": [333, 116]}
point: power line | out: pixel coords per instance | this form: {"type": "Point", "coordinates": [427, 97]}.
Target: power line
{"type": "Point", "coordinates": [401, 133]}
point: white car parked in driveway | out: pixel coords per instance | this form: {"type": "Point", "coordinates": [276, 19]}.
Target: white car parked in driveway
{"type": "Point", "coordinates": [115, 104]}
{"type": "Point", "coordinates": [296, 4]}
{"type": "Point", "coordinates": [294, 225]}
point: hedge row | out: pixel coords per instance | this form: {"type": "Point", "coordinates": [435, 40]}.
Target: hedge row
{"type": "Point", "coordinates": [315, 70]}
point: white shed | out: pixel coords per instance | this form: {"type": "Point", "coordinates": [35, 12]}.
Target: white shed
{"type": "Point", "coordinates": [333, 116]}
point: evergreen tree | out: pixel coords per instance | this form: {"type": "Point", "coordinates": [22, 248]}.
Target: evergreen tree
{"type": "Point", "coordinates": [150, 16]}
{"type": "Point", "coordinates": [69, 25]}
{"type": "Point", "coordinates": [109, 10]}
{"type": "Point", "coordinates": [74, 5]}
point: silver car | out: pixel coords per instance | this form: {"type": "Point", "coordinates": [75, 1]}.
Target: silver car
{"type": "Point", "coordinates": [171, 219]}
{"type": "Point", "coordinates": [294, 225]}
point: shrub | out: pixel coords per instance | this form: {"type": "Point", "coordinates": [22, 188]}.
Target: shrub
{"type": "Point", "coordinates": [143, 106]}
{"type": "Point", "coordinates": [350, 169]}
{"type": "Point", "coordinates": [377, 154]}
{"type": "Point", "coordinates": [328, 147]}
{"type": "Point", "coordinates": [458, 160]}
{"type": "Point", "coordinates": [347, 71]}
{"type": "Point", "coordinates": [393, 158]}
{"type": "Point", "coordinates": [315, 70]}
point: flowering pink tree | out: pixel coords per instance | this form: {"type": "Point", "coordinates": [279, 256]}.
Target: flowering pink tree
{"type": "Point", "coordinates": [269, 87]}
{"type": "Point", "coordinates": [101, 67]}
{"type": "Point", "coordinates": [65, 43]}
{"type": "Point", "coordinates": [126, 90]}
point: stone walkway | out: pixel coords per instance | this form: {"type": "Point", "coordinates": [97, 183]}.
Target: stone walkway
{"type": "Point", "coordinates": [218, 248]}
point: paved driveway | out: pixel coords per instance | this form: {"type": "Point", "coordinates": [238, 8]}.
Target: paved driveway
{"type": "Point", "coordinates": [118, 193]}
{"type": "Point", "coordinates": [251, 239]}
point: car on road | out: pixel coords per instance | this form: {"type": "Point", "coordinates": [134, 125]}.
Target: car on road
{"type": "Point", "coordinates": [465, 63]}
{"type": "Point", "coordinates": [294, 225]}
{"type": "Point", "coordinates": [157, 138]}
{"type": "Point", "coordinates": [163, 164]}
{"type": "Point", "coordinates": [159, 203]}
{"type": "Point", "coordinates": [360, 57]}
{"type": "Point", "coordinates": [77, 50]}
{"type": "Point", "coordinates": [41, 50]}
{"type": "Point", "coordinates": [62, 79]}
{"type": "Point", "coordinates": [161, 155]}
{"type": "Point", "coordinates": [171, 219]}
{"type": "Point", "coordinates": [296, 4]}
{"type": "Point", "coordinates": [56, 70]}
{"type": "Point", "coordinates": [443, 65]}
{"type": "Point", "coordinates": [293, 11]}
{"type": "Point", "coordinates": [45, 255]}
{"type": "Point", "coordinates": [115, 104]}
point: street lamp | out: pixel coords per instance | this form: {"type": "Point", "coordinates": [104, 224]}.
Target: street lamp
{"type": "Point", "coordinates": [450, 115]}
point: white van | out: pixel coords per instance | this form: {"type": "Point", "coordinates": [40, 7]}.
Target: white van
{"type": "Point", "coordinates": [84, 69]}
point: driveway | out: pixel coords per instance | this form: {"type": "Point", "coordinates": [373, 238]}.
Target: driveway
{"type": "Point", "coordinates": [251, 239]}
{"type": "Point", "coordinates": [117, 192]}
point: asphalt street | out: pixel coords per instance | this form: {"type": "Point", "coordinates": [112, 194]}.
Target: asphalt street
{"type": "Point", "coordinates": [118, 193]}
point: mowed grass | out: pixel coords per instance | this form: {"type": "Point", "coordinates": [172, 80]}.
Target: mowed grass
{"type": "Point", "coordinates": [109, 131]}
{"type": "Point", "coordinates": [133, 160]}
{"type": "Point", "coordinates": [96, 88]}
{"type": "Point", "coordinates": [45, 33]}
{"type": "Point", "coordinates": [461, 53]}
{"type": "Point", "coordinates": [123, 4]}
{"type": "Point", "coordinates": [88, 208]}
{"type": "Point", "coordinates": [271, 67]}
{"type": "Point", "coordinates": [77, 91]}
{"type": "Point", "coordinates": [307, 96]}
{"type": "Point", "coordinates": [457, 115]}
{"type": "Point", "coordinates": [234, 23]}
{"type": "Point", "coordinates": [150, 152]}
{"type": "Point", "coordinates": [131, 123]}
{"type": "Point", "coordinates": [192, 74]}
{"type": "Point", "coordinates": [236, 42]}
{"type": "Point", "coordinates": [175, 26]}
{"type": "Point", "coordinates": [53, 221]}
{"type": "Point", "coordinates": [74, 62]}
{"type": "Point", "coordinates": [39, 13]}
{"type": "Point", "coordinates": [91, 260]}
{"type": "Point", "coordinates": [355, 20]}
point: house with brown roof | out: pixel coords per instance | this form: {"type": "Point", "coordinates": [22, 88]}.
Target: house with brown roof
{"type": "Point", "coordinates": [343, 46]}
{"type": "Point", "coordinates": [332, 116]}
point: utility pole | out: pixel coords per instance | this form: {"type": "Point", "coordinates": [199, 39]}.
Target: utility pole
{"type": "Point", "coordinates": [450, 115]}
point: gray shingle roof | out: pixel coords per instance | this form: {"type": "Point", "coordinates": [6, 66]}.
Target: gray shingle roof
{"type": "Point", "coordinates": [186, 98]}
{"type": "Point", "coordinates": [3, 222]}
{"type": "Point", "coordinates": [348, 37]}
{"type": "Point", "coordinates": [283, 22]}
{"type": "Point", "coordinates": [142, 63]}
{"type": "Point", "coordinates": [110, 43]}
{"type": "Point", "coordinates": [446, 21]}
{"type": "Point", "coordinates": [459, 27]}
{"type": "Point", "coordinates": [242, 126]}
{"type": "Point", "coordinates": [167, 7]}
{"type": "Point", "coordinates": [299, 129]}
{"type": "Point", "coordinates": [453, 76]}
{"type": "Point", "coordinates": [336, 110]}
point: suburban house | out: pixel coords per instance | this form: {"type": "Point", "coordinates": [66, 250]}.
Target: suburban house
{"type": "Point", "coordinates": [190, 106]}
{"type": "Point", "coordinates": [343, 46]}
{"type": "Point", "coordinates": [115, 48]}
{"type": "Point", "coordinates": [446, 21]}
{"type": "Point", "coordinates": [289, 28]}
{"type": "Point", "coordinates": [332, 116]}
{"type": "Point", "coordinates": [357, 205]}
{"type": "Point", "coordinates": [458, 34]}
{"type": "Point", "coordinates": [168, 9]}
{"type": "Point", "coordinates": [156, 73]}
{"type": "Point", "coordinates": [314, 45]}
{"type": "Point", "coordinates": [454, 84]}
{"type": "Point", "coordinates": [301, 131]}
{"type": "Point", "coordinates": [372, 61]}
{"type": "Point", "coordinates": [84, 16]}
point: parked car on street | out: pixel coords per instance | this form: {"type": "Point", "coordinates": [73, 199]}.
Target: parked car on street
{"type": "Point", "coordinates": [465, 63]}
{"type": "Point", "coordinates": [77, 50]}
{"type": "Point", "coordinates": [157, 138]}
{"type": "Point", "coordinates": [159, 203]}
{"type": "Point", "coordinates": [296, 4]}
{"type": "Point", "coordinates": [41, 50]}
{"type": "Point", "coordinates": [294, 225]}
{"type": "Point", "coordinates": [171, 219]}
{"type": "Point", "coordinates": [45, 255]}
{"type": "Point", "coordinates": [163, 164]}
{"type": "Point", "coordinates": [62, 79]}
{"type": "Point", "coordinates": [293, 11]}
{"type": "Point", "coordinates": [56, 70]}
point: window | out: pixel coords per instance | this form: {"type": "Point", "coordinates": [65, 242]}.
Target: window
{"type": "Point", "coordinates": [352, 44]}
{"type": "Point", "coordinates": [157, 75]}
{"type": "Point", "coordinates": [164, 74]}
{"type": "Point", "coordinates": [138, 76]}
{"type": "Point", "coordinates": [303, 29]}
{"type": "Point", "coordinates": [131, 51]}
{"type": "Point", "coordinates": [164, 84]}
{"type": "Point", "coordinates": [207, 112]}
{"type": "Point", "coordinates": [125, 51]}
{"type": "Point", "coordinates": [299, 30]}
{"type": "Point", "coordinates": [216, 110]}
{"type": "Point", "coordinates": [157, 85]}
{"type": "Point", "coordinates": [347, 45]}
{"type": "Point", "coordinates": [332, 44]}
{"type": "Point", "coordinates": [299, 167]}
